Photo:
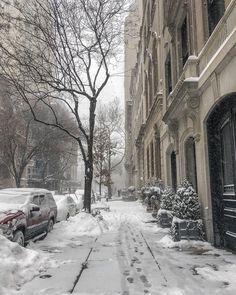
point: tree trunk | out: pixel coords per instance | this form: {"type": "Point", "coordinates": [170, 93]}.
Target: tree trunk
{"type": "Point", "coordinates": [100, 178]}
{"type": "Point", "coordinates": [109, 189]}
{"type": "Point", "coordinates": [88, 186]}
{"type": "Point", "coordinates": [17, 180]}
{"type": "Point", "coordinates": [109, 170]}
{"type": "Point", "coordinates": [88, 163]}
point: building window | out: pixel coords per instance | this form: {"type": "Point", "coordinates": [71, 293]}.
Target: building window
{"type": "Point", "coordinates": [173, 170]}
{"type": "Point", "coordinates": [190, 156]}
{"type": "Point", "coordinates": [227, 150]}
{"type": "Point", "coordinates": [150, 92]}
{"type": "Point", "coordinates": [168, 73]}
{"type": "Point", "coordinates": [146, 95]}
{"type": "Point", "coordinates": [148, 164]}
{"type": "Point", "coordinates": [152, 159]}
{"type": "Point", "coordinates": [215, 9]}
{"type": "Point", "coordinates": [158, 155]}
{"type": "Point", "coordinates": [184, 41]}
{"type": "Point", "coordinates": [155, 66]}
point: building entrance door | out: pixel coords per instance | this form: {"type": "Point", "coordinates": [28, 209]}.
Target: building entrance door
{"type": "Point", "coordinates": [222, 156]}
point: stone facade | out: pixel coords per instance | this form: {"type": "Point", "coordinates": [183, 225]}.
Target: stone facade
{"type": "Point", "coordinates": [183, 91]}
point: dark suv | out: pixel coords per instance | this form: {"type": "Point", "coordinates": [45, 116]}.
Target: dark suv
{"type": "Point", "coordinates": [26, 213]}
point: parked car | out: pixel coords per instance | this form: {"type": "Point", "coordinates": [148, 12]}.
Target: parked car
{"type": "Point", "coordinates": [78, 196]}
{"type": "Point", "coordinates": [79, 201]}
{"type": "Point", "coordinates": [66, 206]}
{"type": "Point", "coordinates": [26, 213]}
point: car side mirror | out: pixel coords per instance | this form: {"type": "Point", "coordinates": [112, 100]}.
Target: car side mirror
{"type": "Point", "coordinates": [34, 208]}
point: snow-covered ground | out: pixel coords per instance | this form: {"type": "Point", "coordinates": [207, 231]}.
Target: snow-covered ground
{"type": "Point", "coordinates": [124, 252]}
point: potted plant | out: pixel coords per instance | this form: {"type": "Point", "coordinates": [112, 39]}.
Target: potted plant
{"type": "Point", "coordinates": [186, 223]}
{"type": "Point", "coordinates": [165, 215]}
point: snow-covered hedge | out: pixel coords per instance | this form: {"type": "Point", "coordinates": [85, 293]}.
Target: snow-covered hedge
{"type": "Point", "coordinates": [186, 223]}
{"type": "Point", "coordinates": [186, 204]}
{"type": "Point", "coordinates": [164, 215]}
{"type": "Point", "coordinates": [167, 198]}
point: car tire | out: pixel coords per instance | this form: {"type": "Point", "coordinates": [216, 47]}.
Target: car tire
{"type": "Point", "coordinates": [50, 225]}
{"type": "Point", "coordinates": [19, 238]}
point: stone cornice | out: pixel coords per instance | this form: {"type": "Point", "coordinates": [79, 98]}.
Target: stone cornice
{"type": "Point", "coordinates": [184, 97]}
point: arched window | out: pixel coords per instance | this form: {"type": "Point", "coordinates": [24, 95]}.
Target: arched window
{"type": "Point", "coordinates": [173, 170]}
{"type": "Point", "coordinates": [190, 156]}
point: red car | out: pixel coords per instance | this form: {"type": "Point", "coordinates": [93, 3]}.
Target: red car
{"type": "Point", "coordinates": [26, 213]}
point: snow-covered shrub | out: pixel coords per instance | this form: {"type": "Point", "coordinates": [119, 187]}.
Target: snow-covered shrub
{"type": "Point", "coordinates": [186, 223]}
{"type": "Point", "coordinates": [164, 215]}
{"type": "Point", "coordinates": [167, 198]}
{"type": "Point", "coordinates": [186, 204]}
{"type": "Point", "coordinates": [155, 191]}
{"type": "Point", "coordinates": [145, 192]}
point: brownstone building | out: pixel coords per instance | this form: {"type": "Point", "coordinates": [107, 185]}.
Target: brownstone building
{"type": "Point", "coordinates": [183, 103]}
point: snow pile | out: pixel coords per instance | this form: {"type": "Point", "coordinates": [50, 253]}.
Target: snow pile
{"type": "Point", "coordinates": [18, 265]}
{"type": "Point", "coordinates": [86, 224]}
{"type": "Point", "coordinates": [167, 242]}
{"type": "Point", "coordinates": [82, 224]}
{"type": "Point", "coordinates": [129, 213]}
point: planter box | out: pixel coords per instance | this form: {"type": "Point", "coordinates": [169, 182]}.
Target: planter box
{"type": "Point", "coordinates": [165, 218]}
{"type": "Point", "coordinates": [149, 208]}
{"type": "Point", "coordinates": [186, 229]}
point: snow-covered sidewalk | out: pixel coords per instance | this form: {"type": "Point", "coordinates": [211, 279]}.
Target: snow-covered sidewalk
{"type": "Point", "coordinates": [124, 252]}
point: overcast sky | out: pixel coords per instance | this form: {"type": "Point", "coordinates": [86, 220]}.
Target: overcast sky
{"type": "Point", "coordinates": [115, 85]}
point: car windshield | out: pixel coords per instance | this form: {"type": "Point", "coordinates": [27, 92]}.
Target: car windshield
{"type": "Point", "coordinates": [11, 198]}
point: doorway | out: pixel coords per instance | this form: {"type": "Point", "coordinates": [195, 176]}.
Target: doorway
{"type": "Point", "coordinates": [221, 129]}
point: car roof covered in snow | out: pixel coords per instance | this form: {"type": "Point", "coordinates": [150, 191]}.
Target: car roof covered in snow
{"type": "Point", "coordinates": [79, 191]}
{"type": "Point", "coordinates": [26, 190]}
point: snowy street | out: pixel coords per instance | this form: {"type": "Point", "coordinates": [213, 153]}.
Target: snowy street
{"type": "Point", "coordinates": [123, 253]}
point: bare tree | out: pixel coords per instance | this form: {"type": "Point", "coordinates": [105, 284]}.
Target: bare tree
{"type": "Point", "coordinates": [108, 143]}
{"type": "Point", "coordinates": [22, 139]}
{"type": "Point", "coordinates": [51, 165]}
{"type": "Point", "coordinates": [60, 50]}
{"type": "Point", "coordinates": [17, 143]}
{"type": "Point", "coordinates": [101, 145]}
